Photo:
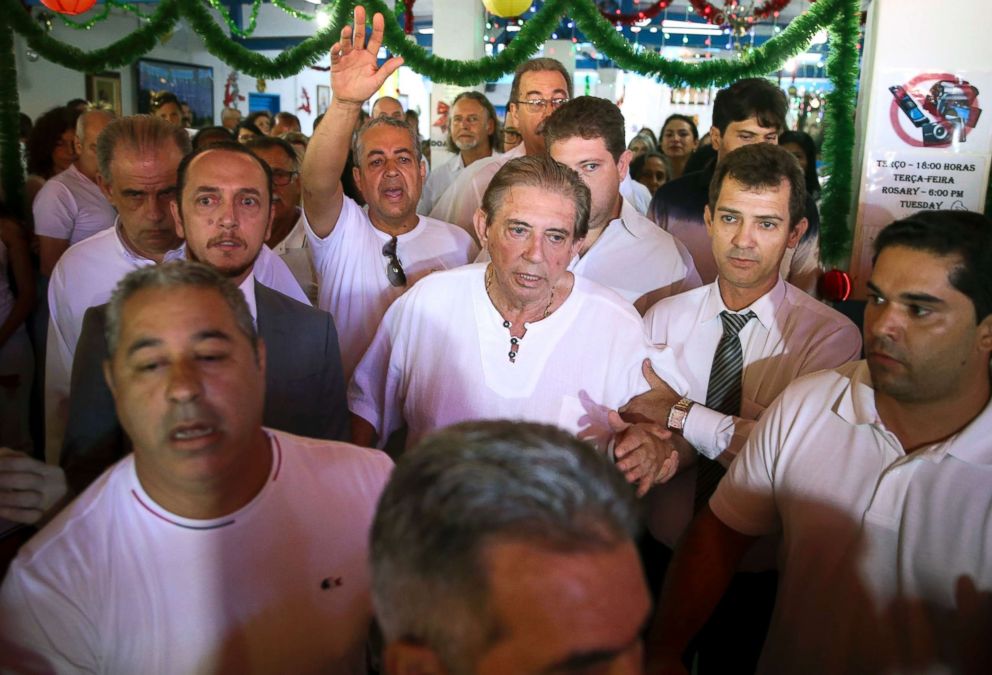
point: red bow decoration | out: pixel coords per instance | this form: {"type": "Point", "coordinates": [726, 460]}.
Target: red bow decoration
{"type": "Point", "coordinates": [305, 106]}
{"type": "Point", "coordinates": [442, 115]}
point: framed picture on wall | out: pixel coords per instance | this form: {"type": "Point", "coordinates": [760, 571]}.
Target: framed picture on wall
{"type": "Point", "coordinates": [191, 83]}
{"type": "Point", "coordinates": [323, 98]}
{"type": "Point", "coordinates": [105, 90]}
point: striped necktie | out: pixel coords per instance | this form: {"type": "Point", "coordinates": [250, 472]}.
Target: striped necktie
{"type": "Point", "coordinates": [722, 395]}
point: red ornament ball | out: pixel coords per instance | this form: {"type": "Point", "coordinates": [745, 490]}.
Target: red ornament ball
{"type": "Point", "coordinates": [71, 7]}
{"type": "Point", "coordinates": [835, 285]}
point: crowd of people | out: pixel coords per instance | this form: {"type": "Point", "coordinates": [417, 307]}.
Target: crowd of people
{"type": "Point", "coordinates": [627, 436]}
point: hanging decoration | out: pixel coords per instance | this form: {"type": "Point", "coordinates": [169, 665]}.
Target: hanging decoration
{"type": "Point", "coordinates": [834, 285]}
{"type": "Point", "coordinates": [232, 92]}
{"type": "Point", "coordinates": [738, 14]}
{"type": "Point", "coordinates": [71, 7]}
{"type": "Point", "coordinates": [305, 106]}
{"type": "Point", "coordinates": [618, 18]}
{"type": "Point", "coordinates": [261, 85]}
{"type": "Point", "coordinates": [507, 8]}
{"type": "Point", "coordinates": [840, 17]}
{"type": "Point", "coordinates": [408, 16]}
{"type": "Point", "coordinates": [232, 26]}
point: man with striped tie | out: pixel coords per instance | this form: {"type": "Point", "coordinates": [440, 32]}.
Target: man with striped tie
{"type": "Point", "coordinates": [740, 341]}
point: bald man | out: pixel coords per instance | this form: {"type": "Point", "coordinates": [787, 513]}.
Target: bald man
{"type": "Point", "coordinates": [387, 106]}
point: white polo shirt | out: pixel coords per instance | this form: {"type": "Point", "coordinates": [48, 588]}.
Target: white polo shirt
{"type": "Point", "coordinates": [793, 335]}
{"type": "Point", "coordinates": [295, 252]}
{"type": "Point", "coordinates": [634, 257]}
{"type": "Point", "coordinates": [636, 193]}
{"type": "Point", "coordinates": [70, 206]}
{"type": "Point", "coordinates": [351, 271]}
{"type": "Point", "coordinates": [886, 558]}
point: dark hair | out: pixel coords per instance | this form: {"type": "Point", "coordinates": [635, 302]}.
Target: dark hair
{"type": "Point", "coordinates": [587, 117]}
{"type": "Point", "coordinates": [481, 99]}
{"type": "Point", "coordinates": [270, 142]}
{"type": "Point", "coordinates": [25, 126]}
{"type": "Point", "coordinates": [542, 172]}
{"type": "Point", "coordinates": [138, 133]}
{"type": "Point", "coordinates": [287, 117]}
{"type": "Point", "coordinates": [229, 146]}
{"type": "Point", "coordinates": [250, 126]}
{"type": "Point", "coordinates": [964, 234]}
{"type": "Point", "coordinates": [208, 135]}
{"type": "Point", "coordinates": [805, 141]}
{"type": "Point", "coordinates": [537, 66]}
{"type": "Point", "coordinates": [700, 158]}
{"type": "Point", "coordinates": [637, 164]}
{"type": "Point", "coordinates": [645, 131]}
{"type": "Point", "coordinates": [44, 136]}
{"type": "Point", "coordinates": [680, 118]}
{"type": "Point", "coordinates": [80, 103]}
{"type": "Point", "coordinates": [762, 165]}
{"type": "Point", "coordinates": [258, 113]}
{"type": "Point", "coordinates": [752, 97]}
{"type": "Point", "coordinates": [160, 99]}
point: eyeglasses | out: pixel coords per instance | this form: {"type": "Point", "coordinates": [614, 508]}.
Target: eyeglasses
{"type": "Point", "coordinates": [281, 178]}
{"type": "Point", "coordinates": [394, 270]}
{"type": "Point", "coordinates": [539, 105]}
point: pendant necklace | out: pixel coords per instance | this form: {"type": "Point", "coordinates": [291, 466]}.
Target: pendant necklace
{"type": "Point", "coordinates": [515, 341]}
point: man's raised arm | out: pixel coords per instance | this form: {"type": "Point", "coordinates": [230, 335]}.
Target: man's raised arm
{"type": "Point", "coordinates": [355, 76]}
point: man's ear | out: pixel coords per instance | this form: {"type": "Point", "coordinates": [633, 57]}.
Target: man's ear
{"type": "Point", "coordinates": [177, 218]}
{"type": "Point", "coordinates": [104, 186]}
{"type": "Point", "coordinates": [708, 219]}
{"type": "Point", "coordinates": [715, 138]}
{"type": "Point", "coordinates": [797, 233]}
{"type": "Point", "coordinates": [985, 334]}
{"type": "Point", "coordinates": [623, 164]}
{"type": "Point", "coordinates": [479, 221]}
{"type": "Point", "coordinates": [406, 658]}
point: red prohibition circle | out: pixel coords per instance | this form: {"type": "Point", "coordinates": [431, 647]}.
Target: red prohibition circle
{"type": "Point", "coordinates": [895, 115]}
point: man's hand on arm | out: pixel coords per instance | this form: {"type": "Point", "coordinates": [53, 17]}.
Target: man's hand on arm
{"type": "Point", "coordinates": [355, 76]}
{"type": "Point", "coordinates": [31, 491]}
{"type": "Point", "coordinates": [655, 404]}
{"type": "Point", "coordinates": [704, 562]}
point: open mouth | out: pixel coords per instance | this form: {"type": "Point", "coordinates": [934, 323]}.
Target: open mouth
{"type": "Point", "coordinates": [191, 432]}
{"type": "Point", "coordinates": [227, 244]}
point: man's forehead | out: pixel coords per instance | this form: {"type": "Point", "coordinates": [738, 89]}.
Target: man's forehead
{"type": "Point", "coordinates": [523, 203]}
{"type": "Point", "coordinates": [219, 164]}
{"type": "Point", "coordinates": [534, 80]}
{"type": "Point", "coordinates": [736, 191]}
{"type": "Point", "coordinates": [384, 138]}
{"type": "Point", "coordinates": [153, 312]}
{"type": "Point", "coordinates": [274, 157]}
{"type": "Point", "coordinates": [577, 145]}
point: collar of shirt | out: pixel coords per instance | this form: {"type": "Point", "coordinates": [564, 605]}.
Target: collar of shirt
{"type": "Point", "coordinates": [136, 258]}
{"type": "Point", "coordinates": [295, 238]}
{"type": "Point", "coordinates": [856, 405]}
{"type": "Point", "coordinates": [248, 289]}
{"type": "Point", "coordinates": [764, 307]}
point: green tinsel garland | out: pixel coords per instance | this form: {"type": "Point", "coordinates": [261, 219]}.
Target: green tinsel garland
{"type": "Point", "coordinates": [10, 148]}
{"type": "Point", "coordinates": [841, 17]}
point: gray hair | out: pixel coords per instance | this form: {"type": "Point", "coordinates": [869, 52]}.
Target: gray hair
{"type": "Point", "coordinates": [174, 275]}
{"type": "Point", "coordinates": [544, 173]}
{"type": "Point", "coordinates": [90, 113]}
{"type": "Point", "coordinates": [358, 149]}
{"type": "Point", "coordinates": [470, 486]}
{"type": "Point", "coordinates": [539, 65]}
{"type": "Point", "coordinates": [140, 133]}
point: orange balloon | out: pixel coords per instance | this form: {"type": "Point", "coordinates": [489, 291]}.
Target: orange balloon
{"type": "Point", "coordinates": [69, 6]}
{"type": "Point", "coordinates": [507, 8]}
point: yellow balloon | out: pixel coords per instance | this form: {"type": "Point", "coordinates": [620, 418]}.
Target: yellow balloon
{"type": "Point", "coordinates": [507, 8]}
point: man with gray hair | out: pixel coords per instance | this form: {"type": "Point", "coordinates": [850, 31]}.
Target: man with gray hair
{"type": "Point", "coordinates": [229, 118]}
{"type": "Point", "coordinates": [70, 206]}
{"type": "Point", "coordinates": [218, 545]}
{"type": "Point", "coordinates": [502, 547]}
{"type": "Point", "coordinates": [472, 135]}
{"type": "Point", "coordinates": [365, 260]}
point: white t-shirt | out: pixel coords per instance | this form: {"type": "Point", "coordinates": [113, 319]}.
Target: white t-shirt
{"type": "Point", "coordinates": [441, 357]}
{"type": "Point", "coordinates": [439, 180]}
{"type": "Point", "coordinates": [459, 202]}
{"type": "Point", "coordinates": [885, 559]}
{"type": "Point", "coordinates": [85, 276]}
{"type": "Point", "coordinates": [633, 256]}
{"type": "Point", "coordinates": [352, 277]}
{"type": "Point", "coordinates": [793, 335]}
{"type": "Point", "coordinates": [117, 584]}
{"type": "Point", "coordinates": [70, 206]}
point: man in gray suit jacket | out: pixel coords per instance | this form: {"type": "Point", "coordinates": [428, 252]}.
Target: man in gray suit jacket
{"type": "Point", "coordinates": [223, 210]}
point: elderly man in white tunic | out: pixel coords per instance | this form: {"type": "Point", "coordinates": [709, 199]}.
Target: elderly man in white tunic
{"type": "Point", "coordinates": [519, 337]}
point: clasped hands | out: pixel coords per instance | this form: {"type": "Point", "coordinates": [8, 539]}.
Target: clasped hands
{"type": "Point", "coordinates": [646, 451]}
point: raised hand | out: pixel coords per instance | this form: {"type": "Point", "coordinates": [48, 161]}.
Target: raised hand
{"type": "Point", "coordinates": [355, 73]}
